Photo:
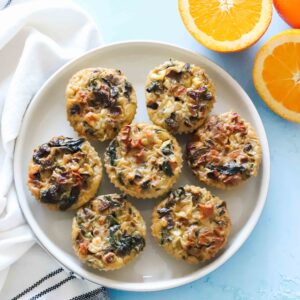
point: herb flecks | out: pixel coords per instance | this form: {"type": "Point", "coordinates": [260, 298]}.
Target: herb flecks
{"type": "Point", "coordinates": [168, 149]}
{"type": "Point", "coordinates": [67, 144]}
{"type": "Point", "coordinates": [230, 168]}
{"type": "Point", "coordinates": [166, 168]}
{"type": "Point", "coordinates": [155, 86]}
{"type": "Point", "coordinates": [112, 152]}
{"type": "Point", "coordinates": [171, 121]}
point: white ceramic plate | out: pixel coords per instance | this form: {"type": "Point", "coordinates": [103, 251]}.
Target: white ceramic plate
{"type": "Point", "coordinates": [46, 117]}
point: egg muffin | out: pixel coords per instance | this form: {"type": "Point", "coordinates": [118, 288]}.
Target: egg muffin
{"type": "Point", "coordinates": [64, 173]}
{"type": "Point", "coordinates": [143, 161]}
{"type": "Point", "coordinates": [225, 151]}
{"type": "Point", "coordinates": [108, 232]}
{"type": "Point", "coordinates": [191, 224]}
{"type": "Point", "coordinates": [179, 96]}
{"type": "Point", "coordinates": [99, 102]}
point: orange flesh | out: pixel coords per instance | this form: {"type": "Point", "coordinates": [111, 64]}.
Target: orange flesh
{"type": "Point", "coordinates": [279, 74]}
{"type": "Point", "coordinates": [229, 23]}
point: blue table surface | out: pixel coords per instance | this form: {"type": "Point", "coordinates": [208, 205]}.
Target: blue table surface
{"type": "Point", "coordinates": [268, 265]}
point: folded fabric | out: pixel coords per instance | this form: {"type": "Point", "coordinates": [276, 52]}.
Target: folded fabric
{"type": "Point", "coordinates": [36, 38]}
{"type": "Point", "coordinates": [47, 282]}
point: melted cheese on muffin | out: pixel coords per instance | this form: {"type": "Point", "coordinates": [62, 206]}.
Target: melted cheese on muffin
{"type": "Point", "coordinates": [225, 151]}
{"type": "Point", "coordinates": [143, 160]}
{"type": "Point", "coordinates": [99, 102]}
{"type": "Point", "coordinates": [191, 224]}
{"type": "Point", "coordinates": [64, 173]}
{"type": "Point", "coordinates": [108, 232]}
{"type": "Point", "coordinates": [179, 96]}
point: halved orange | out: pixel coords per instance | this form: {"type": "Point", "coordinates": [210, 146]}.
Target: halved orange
{"type": "Point", "coordinates": [226, 25]}
{"type": "Point", "coordinates": [276, 74]}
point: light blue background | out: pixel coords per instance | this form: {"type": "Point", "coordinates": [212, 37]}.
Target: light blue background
{"type": "Point", "coordinates": [268, 264]}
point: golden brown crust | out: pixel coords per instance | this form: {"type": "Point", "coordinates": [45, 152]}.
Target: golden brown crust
{"type": "Point", "coordinates": [108, 232]}
{"type": "Point", "coordinates": [191, 224]}
{"type": "Point", "coordinates": [179, 96]}
{"type": "Point", "coordinates": [64, 173]}
{"type": "Point", "coordinates": [143, 161]}
{"type": "Point", "coordinates": [99, 102]}
{"type": "Point", "coordinates": [225, 151]}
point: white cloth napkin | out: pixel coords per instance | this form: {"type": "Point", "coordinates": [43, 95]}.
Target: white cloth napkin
{"type": "Point", "coordinates": [36, 38]}
{"type": "Point", "coordinates": [48, 281]}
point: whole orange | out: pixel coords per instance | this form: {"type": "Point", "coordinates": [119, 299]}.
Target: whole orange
{"type": "Point", "coordinates": [289, 10]}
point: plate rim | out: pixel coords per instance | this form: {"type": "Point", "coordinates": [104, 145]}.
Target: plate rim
{"type": "Point", "coordinates": [170, 283]}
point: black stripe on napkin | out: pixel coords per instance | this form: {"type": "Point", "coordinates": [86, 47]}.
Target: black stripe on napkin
{"type": "Point", "coordinates": [7, 4]}
{"type": "Point", "coordinates": [92, 295]}
{"type": "Point", "coordinates": [52, 288]}
{"type": "Point", "coordinates": [29, 289]}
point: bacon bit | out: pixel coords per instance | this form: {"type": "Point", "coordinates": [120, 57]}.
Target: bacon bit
{"type": "Point", "coordinates": [190, 243]}
{"type": "Point", "coordinates": [235, 117]}
{"type": "Point", "coordinates": [236, 120]}
{"type": "Point", "coordinates": [239, 125]}
{"type": "Point", "coordinates": [244, 159]}
{"type": "Point", "coordinates": [206, 210]}
{"type": "Point", "coordinates": [78, 178]}
{"type": "Point", "coordinates": [214, 242]}
{"type": "Point", "coordinates": [83, 248]}
{"type": "Point", "coordinates": [205, 237]}
{"type": "Point", "coordinates": [218, 241]}
{"type": "Point", "coordinates": [180, 90]}
{"type": "Point", "coordinates": [140, 156]}
{"type": "Point", "coordinates": [124, 136]}
{"type": "Point", "coordinates": [239, 128]}
{"type": "Point", "coordinates": [220, 137]}
{"type": "Point", "coordinates": [125, 133]}
{"type": "Point", "coordinates": [82, 96]}
{"type": "Point", "coordinates": [231, 179]}
{"type": "Point", "coordinates": [210, 237]}
{"type": "Point", "coordinates": [213, 152]}
{"type": "Point", "coordinates": [136, 144]}
{"type": "Point", "coordinates": [212, 156]}
{"type": "Point", "coordinates": [226, 148]}
{"type": "Point", "coordinates": [109, 258]}
{"type": "Point", "coordinates": [90, 117]}
{"type": "Point", "coordinates": [183, 221]}
{"type": "Point", "coordinates": [173, 164]}
{"type": "Point", "coordinates": [195, 155]}
{"type": "Point", "coordinates": [234, 154]}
